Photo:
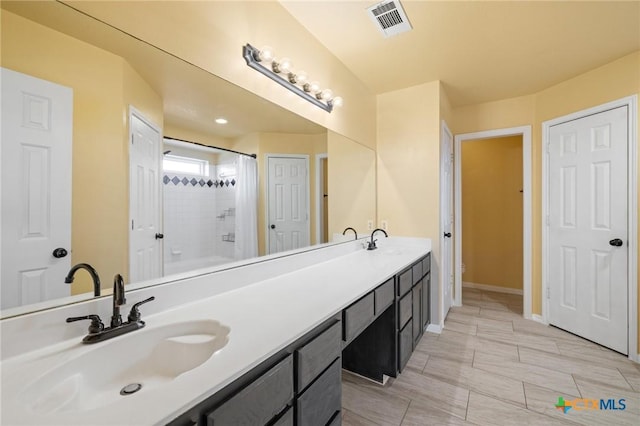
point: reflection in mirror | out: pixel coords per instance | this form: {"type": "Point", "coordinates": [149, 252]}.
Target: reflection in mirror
{"type": "Point", "coordinates": [111, 78]}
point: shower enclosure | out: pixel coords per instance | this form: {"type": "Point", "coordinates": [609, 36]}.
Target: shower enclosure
{"type": "Point", "coordinates": [201, 220]}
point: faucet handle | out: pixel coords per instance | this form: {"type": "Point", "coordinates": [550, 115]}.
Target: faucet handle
{"type": "Point", "coordinates": [134, 313]}
{"type": "Point", "coordinates": [371, 245]}
{"type": "Point", "coordinates": [96, 323]}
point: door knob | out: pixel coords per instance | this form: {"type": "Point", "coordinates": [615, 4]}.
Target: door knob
{"type": "Point", "coordinates": [59, 253]}
{"type": "Point", "coordinates": [617, 242]}
{"type": "Point", "coordinates": [159, 236]}
{"type": "Point", "coordinates": [447, 234]}
{"type": "Point", "coordinates": [273, 227]}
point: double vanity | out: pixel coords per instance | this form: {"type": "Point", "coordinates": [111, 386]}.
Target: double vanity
{"type": "Point", "coordinates": [258, 344]}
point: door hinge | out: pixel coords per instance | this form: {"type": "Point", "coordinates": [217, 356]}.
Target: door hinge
{"type": "Point", "coordinates": [132, 139]}
{"type": "Point", "coordinates": [451, 157]}
{"type": "Point", "coordinates": [548, 292]}
{"type": "Point", "coordinates": [132, 224]}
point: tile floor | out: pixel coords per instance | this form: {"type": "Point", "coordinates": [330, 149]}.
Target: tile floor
{"type": "Point", "coordinates": [490, 366]}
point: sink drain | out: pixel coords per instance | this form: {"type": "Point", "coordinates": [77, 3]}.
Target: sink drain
{"type": "Point", "coordinates": [131, 388]}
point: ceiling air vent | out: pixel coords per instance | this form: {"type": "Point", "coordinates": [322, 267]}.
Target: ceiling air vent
{"type": "Point", "coordinates": [389, 17]}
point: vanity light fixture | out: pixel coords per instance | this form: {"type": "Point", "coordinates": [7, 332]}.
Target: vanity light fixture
{"type": "Point", "coordinates": [221, 120]}
{"type": "Point", "coordinates": [282, 72]}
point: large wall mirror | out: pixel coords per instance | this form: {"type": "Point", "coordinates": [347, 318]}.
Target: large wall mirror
{"type": "Point", "coordinates": [122, 89]}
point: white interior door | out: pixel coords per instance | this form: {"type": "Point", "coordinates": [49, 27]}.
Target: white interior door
{"type": "Point", "coordinates": [587, 214]}
{"type": "Point", "coordinates": [145, 242]}
{"type": "Point", "coordinates": [446, 217]}
{"type": "Point", "coordinates": [37, 129]}
{"type": "Point", "coordinates": [288, 211]}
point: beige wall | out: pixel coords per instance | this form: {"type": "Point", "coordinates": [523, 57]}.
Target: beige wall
{"type": "Point", "coordinates": [217, 32]}
{"type": "Point", "coordinates": [408, 167]}
{"type": "Point", "coordinates": [612, 81]}
{"type": "Point", "coordinates": [103, 87]}
{"type": "Point", "coordinates": [492, 211]}
{"type": "Point", "coordinates": [351, 185]}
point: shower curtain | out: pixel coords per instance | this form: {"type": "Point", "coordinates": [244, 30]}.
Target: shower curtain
{"type": "Point", "coordinates": [246, 245]}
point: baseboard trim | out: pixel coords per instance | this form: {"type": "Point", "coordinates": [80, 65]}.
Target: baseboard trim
{"type": "Point", "coordinates": [494, 288]}
{"type": "Point", "coordinates": [433, 328]}
{"type": "Point", "coordinates": [538, 318]}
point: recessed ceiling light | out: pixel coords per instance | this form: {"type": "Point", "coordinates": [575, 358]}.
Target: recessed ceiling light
{"type": "Point", "coordinates": [221, 120]}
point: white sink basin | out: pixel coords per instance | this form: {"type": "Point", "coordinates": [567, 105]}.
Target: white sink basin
{"type": "Point", "coordinates": [150, 357]}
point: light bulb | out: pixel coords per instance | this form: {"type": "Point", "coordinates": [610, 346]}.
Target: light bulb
{"type": "Point", "coordinates": [326, 94]}
{"type": "Point", "coordinates": [221, 120]}
{"type": "Point", "coordinates": [337, 101]}
{"type": "Point", "coordinates": [312, 87]}
{"type": "Point", "coordinates": [266, 54]}
{"type": "Point", "coordinates": [297, 77]}
{"type": "Point", "coordinates": [285, 65]}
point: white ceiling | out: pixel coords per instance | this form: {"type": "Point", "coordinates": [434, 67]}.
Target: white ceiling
{"type": "Point", "coordinates": [480, 50]}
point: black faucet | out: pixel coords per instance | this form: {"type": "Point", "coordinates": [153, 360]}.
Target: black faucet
{"type": "Point", "coordinates": [371, 245]}
{"type": "Point", "coordinates": [94, 276]}
{"type": "Point", "coordinates": [350, 228]}
{"type": "Point", "coordinates": [118, 300]}
{"type": "Point", "coordinates": [97, 332]}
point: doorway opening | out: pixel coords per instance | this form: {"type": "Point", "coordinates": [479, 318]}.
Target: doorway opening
{"type": "Point", "coordinates": [522, 134]}
{"type": "Point", "coordinates": [492, 219]}
{"type": "Point", "coordinates": [322, 199]}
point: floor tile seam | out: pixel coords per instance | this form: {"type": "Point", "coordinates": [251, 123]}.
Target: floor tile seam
{"type": "Point", "coordinates": [520, 407]}
{"type": "Point", "coordinates": [606, 384]}
{"type": "Point", "coordinates": [628, 382]}
{"type": "Point", "coordinates": [405, 412]}
{"type": "Point", "coordinates": [559, 370]}
{"type": "Point", "coordinates": [577, 394]}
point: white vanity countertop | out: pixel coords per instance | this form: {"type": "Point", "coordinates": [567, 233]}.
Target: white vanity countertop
{"type": "Point", "coordinates": [263, 317]}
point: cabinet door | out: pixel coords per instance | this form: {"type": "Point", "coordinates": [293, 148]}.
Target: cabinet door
{"type": "Point", "coordinates": [405, 345]}
{"type": "Point", "coordinates": [426, 300]}
{"type": "Point", "coordinates": [417, 313]}
{"type": "Point", "coordinates": [259, 402]}
{"type": "Point", "coordinates": [404, 310]}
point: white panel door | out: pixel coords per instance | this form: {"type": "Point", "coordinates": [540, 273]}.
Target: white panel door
{"type": "Point", "coordinates": [288, 221]}
{"type": "Point", "coordinates": [145, 242]}
{"type": "Point", "coordinates": [37, 131]}
{"type": "Point", "coordinates": [587, 214]}
{"type": "Point", "coordinates": [446, 214]}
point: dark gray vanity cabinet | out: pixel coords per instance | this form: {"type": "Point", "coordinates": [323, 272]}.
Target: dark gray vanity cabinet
{"type": "Point", "coordinates": [261, 401]}
{"type": "Point", "coordinates": [413, 307]}
{"type": "Point", "coordinates": [318, 378]}
{"type": "Point", "coordinates": [300, 385]}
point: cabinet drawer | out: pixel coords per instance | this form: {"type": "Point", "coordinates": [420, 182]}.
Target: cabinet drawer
{"type": "Point", "coordinates": [357, 316]}
{"type": "Point", "coordinates": [286, 419]}
{"type": "Point", "coordinates": [404, 282]}
{"type": "Point", "coordinates": [417, 272]}
{"type": "Point", "coordinates": [384, 296]}
{"type": "Point", "coordinates": [417, 323]}
{"type": "Point", "coordinates": [316, 355]}
{"type": "Point", "coordinates": [322, 399]}
{"type": "Point", "coordinates": [404, 310]}
{"type": "Point", "coordinates": [405, 345]}
{"type": "Point", "coordinates": [260, 401]}
{"type": "Point", "coordinates": [426, 264]}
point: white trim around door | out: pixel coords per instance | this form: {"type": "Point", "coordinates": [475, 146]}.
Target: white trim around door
{"type": "Point", "coordinates": [631, 103]}
{"type": "Point", "coordinates": [525, 131]}
{"type": "Point", "coordinates": [320, 190]}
